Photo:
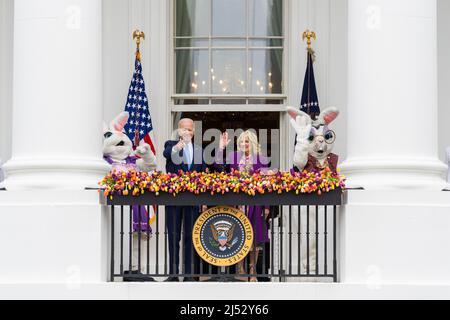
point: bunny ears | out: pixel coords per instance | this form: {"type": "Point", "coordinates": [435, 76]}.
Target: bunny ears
{"type": "Point", "coordinates": [325, 118]}
{"type": "Point", "coordinates": [118, 123]}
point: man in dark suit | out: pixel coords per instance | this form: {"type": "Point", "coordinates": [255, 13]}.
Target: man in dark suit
{"type": "Point", "coordinates": [182, 155]}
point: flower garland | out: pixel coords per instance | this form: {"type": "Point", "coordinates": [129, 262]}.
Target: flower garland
{"type": "Point", "coordinates": [136, 183]}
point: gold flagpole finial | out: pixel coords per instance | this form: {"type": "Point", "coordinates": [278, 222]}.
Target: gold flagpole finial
{"type": "Point", "coordinates": [309, 35]}
{"type": "Point", "coordinates": [138, 36]}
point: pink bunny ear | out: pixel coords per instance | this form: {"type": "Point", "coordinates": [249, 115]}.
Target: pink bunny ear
{"type": "Point", "coordinates": [294, 113]}
{"type": "Point", "coordinates": [120, 121]}
{"type": "Point", "coordinates": [328, 116]}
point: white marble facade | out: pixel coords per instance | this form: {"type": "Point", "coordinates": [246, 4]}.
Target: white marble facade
{"type": "Point", "coordinates": [328, 18]}
{"type": "Point", "coordinates": [384, 63]}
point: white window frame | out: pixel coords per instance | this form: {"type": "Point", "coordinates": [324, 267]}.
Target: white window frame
{"type": "Point", "coordinates": [228, 107]}
{"type": "Point", "coordinates": [298, 16]}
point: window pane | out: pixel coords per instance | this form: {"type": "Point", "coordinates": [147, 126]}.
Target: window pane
{"type": "Point", "coordinates": [191, 101]}
{"type": "Point", "coordinates": [229, 43]}
{"type": "Point", "coordinates": [188, 43]}
{"type": "Point", "coordinates": [266, 71]}
{"type": "Point", "coordinates": [229, 101]}
{"type": "Point", "coordinates": [192, 71]}
{"type": "Point", "coordinates": [266, 43]}
{"type": "Point", "coordinates": [228, 71]}
{"type": "Point", "coordinates": [265, 101]}
{"type": "Point", "coordinates": [266, 17]}
{"type": "Point", "coordinates": [235, 60]}
{"type": "Point", "coordinates": [192, 17]}
{"type": "Point", "coordinates": [229, 18]}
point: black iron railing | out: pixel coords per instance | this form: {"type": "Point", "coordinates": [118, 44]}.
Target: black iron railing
{"type": "Point", "coordinates": [303, 238]}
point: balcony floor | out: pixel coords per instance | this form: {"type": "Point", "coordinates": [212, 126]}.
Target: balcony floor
{"type": "Point", "coordinates": [208, 291]}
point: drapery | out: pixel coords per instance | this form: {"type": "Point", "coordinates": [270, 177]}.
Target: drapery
{"type": "Point", "coordinates": [275, 27]}
{"type": "Point", "coordinates": [185, 14]}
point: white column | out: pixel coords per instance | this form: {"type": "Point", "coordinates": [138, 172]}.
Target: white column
{"type": "Point", "coordinates": [57, 95]}
{"type": "Point", "coordinates": [392, 102]}
{"type": "Point", "coordinates": [6, 59]}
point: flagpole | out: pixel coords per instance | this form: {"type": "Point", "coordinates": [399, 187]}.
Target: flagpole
{"type": "Point", "coordinates": [137, 36]}
{"type": "Point", "coordinates": [308, 35]}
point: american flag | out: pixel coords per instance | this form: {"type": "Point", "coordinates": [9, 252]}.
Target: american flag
{"type": "Point", "coordinates": [310, 100]}
{"type": "Point", "coordinates": [139, 126]}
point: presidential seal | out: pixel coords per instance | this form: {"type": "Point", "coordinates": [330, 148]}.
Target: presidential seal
{"type": "Point", "coordinates": [223, 236]}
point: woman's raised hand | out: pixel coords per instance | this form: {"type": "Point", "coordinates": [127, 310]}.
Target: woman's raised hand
{"type": "Point", "coordinates": [224, 141]}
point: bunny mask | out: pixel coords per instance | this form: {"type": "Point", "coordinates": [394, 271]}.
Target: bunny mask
{"type": "Point", "coordinates": [315, 140]}
{"type": "Point", "coordinates": [117, 145]}
{"type": "Point", "coordinates": [118, 148]}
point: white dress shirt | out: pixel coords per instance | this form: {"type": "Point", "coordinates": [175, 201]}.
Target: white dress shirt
{"type": "Point", "coordinates": [188, 151]}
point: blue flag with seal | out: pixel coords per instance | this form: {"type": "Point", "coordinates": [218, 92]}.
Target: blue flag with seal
{"type": "Point", "coordinates": [310, 100]}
